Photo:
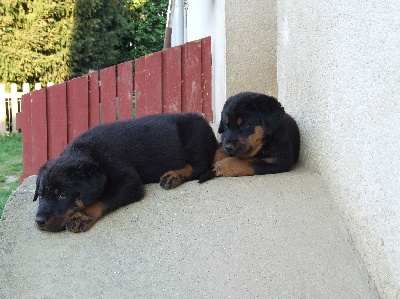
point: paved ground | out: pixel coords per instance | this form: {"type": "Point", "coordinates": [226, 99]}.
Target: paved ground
{"type": "Point", "coordinates": [273, 236]}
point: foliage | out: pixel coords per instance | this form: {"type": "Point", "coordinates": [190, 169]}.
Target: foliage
{"type": "Point", "coordinates": [34, 40]}
{"type": "Point", "coordinates": [99, 26]}
{"type": "Point", "coordinates": [43, 41]}
{"type": "Point", "coordinates": [148, 27]}
{"type": "Point", "coordinates": [10, 166]}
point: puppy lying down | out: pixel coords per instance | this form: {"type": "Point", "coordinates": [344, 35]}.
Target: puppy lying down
{"type": "Point", "coordinates": [105, 168]}
{"type": "Point", "coordinates": [257, 137]}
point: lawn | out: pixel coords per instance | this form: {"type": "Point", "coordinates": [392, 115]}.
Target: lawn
{"type": "Point", "coordinates": [10, 166]}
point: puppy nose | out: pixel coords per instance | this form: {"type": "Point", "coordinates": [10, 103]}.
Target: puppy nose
{"type": "Point", "coordinates": [40, 220]}
{"type": "Point", "coordinates": [229, 146]}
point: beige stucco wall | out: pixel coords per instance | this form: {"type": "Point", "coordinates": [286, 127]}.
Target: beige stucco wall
{"type": "Point", "coordinates": [250, 46]}
{"type": "Point", "coordinates": [335, 65]}
{"type": "Point", "coordinates": [339, 75]}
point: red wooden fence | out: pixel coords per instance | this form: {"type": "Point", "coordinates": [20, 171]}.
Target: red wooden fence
{"type": "Point", "coordinates": [173, 80]}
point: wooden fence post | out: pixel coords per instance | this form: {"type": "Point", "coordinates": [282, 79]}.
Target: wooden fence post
{"type": "Point", "coordinates": [108, 95]}
{"type": "Point", "coordinates": [2, 109]}
{"type": "Point", "coordinates": [125, 91]}
{"type": "Point", "coordinates": [14, 106]}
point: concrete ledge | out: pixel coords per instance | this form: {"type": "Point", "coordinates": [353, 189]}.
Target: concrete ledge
{"type": "Point", "coordinates": [273, 236]}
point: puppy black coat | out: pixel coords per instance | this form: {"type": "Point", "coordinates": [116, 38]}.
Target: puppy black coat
{"type": "Point", "coordinates": [105, 167]}
{"type": "Point", "coordinates": [257, 137]}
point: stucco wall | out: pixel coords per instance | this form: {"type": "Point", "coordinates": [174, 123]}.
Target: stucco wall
{"type": "Point", "coordinates": [250, 46]}
{"type": "Point", "coordinates": [339, 76]}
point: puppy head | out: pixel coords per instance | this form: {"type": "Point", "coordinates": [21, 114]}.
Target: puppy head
{"type": "Point", "coordinates": [246, 119]}
{"type": "Point", "coordinates": [64, 186]}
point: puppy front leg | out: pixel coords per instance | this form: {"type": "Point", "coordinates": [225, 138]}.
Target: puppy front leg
{"type": "Point", "coordinates": [84, 219]}
{"type": "Point", "coordinates": [174, 178]}
{"type": "Point", "coordinates": [233, 166]}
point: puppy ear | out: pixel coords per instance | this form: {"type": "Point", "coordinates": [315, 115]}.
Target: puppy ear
{"type": "Point", "coordinates": [221, 127]}
{"type": "Point", "coordinates": [272, 113]}
{"type": "Point", "coordinates": [90, 180]}
{"type": "Point", "coordinates": [38, 179]}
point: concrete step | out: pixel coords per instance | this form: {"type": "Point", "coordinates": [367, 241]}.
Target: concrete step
{"type": "Point", "coordinates": [272, 236]}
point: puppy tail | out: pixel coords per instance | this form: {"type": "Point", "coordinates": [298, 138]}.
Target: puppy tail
{"type": "Point", "coordinates": [208, 175]}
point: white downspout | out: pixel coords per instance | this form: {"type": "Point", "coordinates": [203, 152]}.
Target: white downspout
{"type": "Point", "coordinates": [177, 37]}
{"type": "Point", "coordinates": [185, 13]}
{"type": "Point", "coordinates": [169, 24]}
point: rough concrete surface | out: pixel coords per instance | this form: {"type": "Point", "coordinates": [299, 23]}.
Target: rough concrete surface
{"type": "Point", "coordinates": [273, 236]}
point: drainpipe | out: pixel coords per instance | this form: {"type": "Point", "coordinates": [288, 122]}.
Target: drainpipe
{"type": "Point", "coordinates": [168, 25]}
{"type": "Point", "coordinates": [175, 29]}
{"type": "Point", "coordinates": [185, 7]}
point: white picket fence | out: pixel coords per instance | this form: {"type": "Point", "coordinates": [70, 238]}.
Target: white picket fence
{"type": "Point", "coordinates": [10, 105]}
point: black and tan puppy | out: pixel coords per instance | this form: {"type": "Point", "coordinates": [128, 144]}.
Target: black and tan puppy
{"type": "Point", "coordinates": [257, 136]}
{"type": "Point", "coordinates": [105, 167]}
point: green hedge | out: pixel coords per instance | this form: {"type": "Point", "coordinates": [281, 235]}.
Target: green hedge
{"type": "Point", "coordinates": [43, 41]}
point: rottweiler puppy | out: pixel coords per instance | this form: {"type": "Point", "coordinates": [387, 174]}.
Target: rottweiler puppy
{"type": "Point", "coordinates": [105, 167]}
{"type": "Point", "coordinates": [257, 137]}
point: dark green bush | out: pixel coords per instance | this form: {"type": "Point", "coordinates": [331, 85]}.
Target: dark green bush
{"type": "Point", "coordinates": [43, 41]}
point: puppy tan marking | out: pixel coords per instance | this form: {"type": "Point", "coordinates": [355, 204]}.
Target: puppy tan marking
{"type": "Point", "coordinates": [254, 142]}
{"type": "Point", "coordinates": [233, 166]}
{"type": "Point", "coordinates": [79, 204]}
{"type": "Point", "coordinates": [57, 222]}
{"type": "Point", "coordinates": [220, 154]}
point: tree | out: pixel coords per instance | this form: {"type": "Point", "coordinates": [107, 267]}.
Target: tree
{"type": "Point", "coordinates": [96, 38]}
{"type": "Point", "coordinates": [148, 26]}
{"type": "Point", "coordinates": [35, 40]}
{"type": "Point", "coordinates": [43, 41]}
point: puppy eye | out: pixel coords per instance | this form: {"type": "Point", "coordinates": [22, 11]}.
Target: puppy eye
{"type": "Point", "coordinates": [244, 126]}
{"type": "Point", "coordinates": [61, 196]}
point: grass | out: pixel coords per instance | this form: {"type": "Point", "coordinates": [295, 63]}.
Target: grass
{"type": "Point", "coordinates": [10, 166]}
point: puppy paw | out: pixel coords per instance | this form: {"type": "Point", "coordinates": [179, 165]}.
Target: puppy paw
{"type": "Point", "coordinates": [79, 222]}
{"type": "Point", "coordinates": [171, 180]}
{"type": "Point", "coordinates": [222, 168]}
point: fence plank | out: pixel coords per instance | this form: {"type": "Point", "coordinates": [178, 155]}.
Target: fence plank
{"type": "Point", "coordinates": [77, 107]}
{"type": "Point", "coordinates": [125, 90]}
{"type": "Point", "coordinates": [140, 71]}
{"type": "Point", "coordinates": [149, 85]}
{"type": "Point", "coordinates": [154, 83]}
{"type": "Point", "coordinates": [206, 70]}
{"type": "Point", "coordinates": [24, 123]}
{"type": "Point", "coordinates": [57, 119]}
{"type": "Point", "coordinates": [39, 129]}
{"type": "Point", "coordinates": [172, 80]}
{"type": "Point", "coordinates": [108, 95]}
{"type": "Point", "coordinates": [94, 99]}
{"type": "Point", "coordinates": [191, 77]}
